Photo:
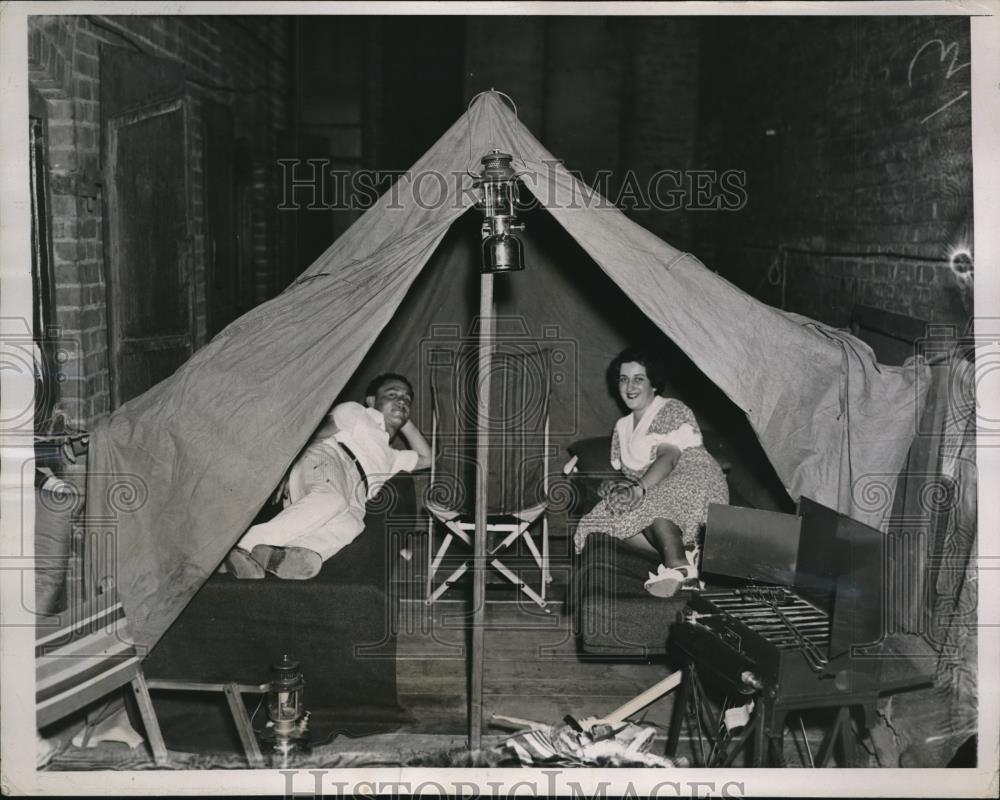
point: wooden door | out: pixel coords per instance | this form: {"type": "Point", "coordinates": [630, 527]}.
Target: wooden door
{"type": "Point", "coordinates": [222, 283]}
{"type": "Point", "coordinates": [147, 235]}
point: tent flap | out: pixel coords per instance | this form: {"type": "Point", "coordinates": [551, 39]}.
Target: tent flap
{"type": "Point", "coordinates": [177, 474]}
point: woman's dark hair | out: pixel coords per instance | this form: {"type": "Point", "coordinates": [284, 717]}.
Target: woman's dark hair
{"type": "Point", "coordinates": [380, 380]}
{"type": "Point", "coordinates": [649, 358]}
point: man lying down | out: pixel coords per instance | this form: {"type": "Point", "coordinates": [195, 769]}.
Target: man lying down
{"type": "Point", "coordinates": [345, 464]}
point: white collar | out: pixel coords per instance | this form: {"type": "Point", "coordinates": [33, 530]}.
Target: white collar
{"type": "Point", "coordinates": [649, 414]}
{"type": "Point", "coordinates": [376, 417]}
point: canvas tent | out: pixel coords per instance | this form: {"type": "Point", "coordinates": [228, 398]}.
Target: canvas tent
{"type": "Point", "coordinates": [180, 471]}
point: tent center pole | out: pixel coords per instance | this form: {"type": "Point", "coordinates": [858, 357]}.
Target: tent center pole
{"type": "Point", "coordinates": [486, 323]}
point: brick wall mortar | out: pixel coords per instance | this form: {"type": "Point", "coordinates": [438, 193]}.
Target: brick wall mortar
{"type": "Point", "coordinates": [632, 108]}
{"type": "Point", "coordinates": [858, 163]}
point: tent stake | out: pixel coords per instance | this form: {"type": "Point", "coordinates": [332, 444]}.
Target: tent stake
{"type": "Point", "coordinates": [482, 487]}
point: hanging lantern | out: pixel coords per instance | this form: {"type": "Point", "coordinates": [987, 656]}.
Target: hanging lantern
{"type": "Point", "coordinates": [289, 722]}
{"type": "Point", "coordinates": [497, 184]}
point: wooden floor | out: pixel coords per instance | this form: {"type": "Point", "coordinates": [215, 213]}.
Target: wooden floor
{"type": "Point", "coordinates": [533, 668]}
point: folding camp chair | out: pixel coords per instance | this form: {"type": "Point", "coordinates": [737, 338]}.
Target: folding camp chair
{"type": "Point", "coordinates": [514, 527]}
{"type": "Point", "coordinates": [88, 652]}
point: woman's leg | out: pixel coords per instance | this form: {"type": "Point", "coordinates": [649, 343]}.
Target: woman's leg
{"type": "Point", "coordinates": [641, 543]}
{"type": "Point", "coordinates": [667, 538]}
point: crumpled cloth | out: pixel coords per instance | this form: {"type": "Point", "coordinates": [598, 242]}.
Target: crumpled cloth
{"type": "Point", "coordinates": [622, 745]}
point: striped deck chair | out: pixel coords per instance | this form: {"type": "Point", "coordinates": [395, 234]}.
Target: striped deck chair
{"type": "Point", "coordinates": [84, 654]}
{"type": "Point", "coordinates": [88, 652]}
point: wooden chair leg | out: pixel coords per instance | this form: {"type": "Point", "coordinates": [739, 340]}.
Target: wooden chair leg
{"type": "Point", "coordinates": [243, 726]}
{"type": "Point", "coordinates": [149, 721]}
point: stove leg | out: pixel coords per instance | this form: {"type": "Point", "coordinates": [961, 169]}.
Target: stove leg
{"type": "Point", "coordinates": [760, 738]}
{"type": "Point", "coordinates": [848, 741]}
{"type": "Point", "coordinates": [776, 751]}
{"type": "Point", "coordinates": [678, 713]}
{"type": "Point", "coordinates": [840, 730]}
{"type": "Point", "coordinates": [776, 737]}
{"type": "Point", "coordinates": [740, 743]}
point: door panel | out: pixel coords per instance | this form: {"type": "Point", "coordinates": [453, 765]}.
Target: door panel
{"type": "Point", "coordinates": [220, 236]}
{"type": "Point", "coordinates": [147, 235]}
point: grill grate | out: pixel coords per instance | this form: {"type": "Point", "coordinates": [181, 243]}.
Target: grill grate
{"type": "Point", "coordinates": [752, 607]}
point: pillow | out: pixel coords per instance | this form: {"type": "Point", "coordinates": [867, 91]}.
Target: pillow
{"type": "Point", "coordinates": [593, 465]}
{"type": "Point", "coordinates": [593, 455]}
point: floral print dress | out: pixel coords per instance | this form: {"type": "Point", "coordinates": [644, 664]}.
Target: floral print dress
{"type": "Point", "coordinates": [682, 497]}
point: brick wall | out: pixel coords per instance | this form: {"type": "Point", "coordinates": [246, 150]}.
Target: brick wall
{"type": "Point", "coordinates": [242, 62]}
{"type": "Point", "coordinates": [855, 138]}
{"type": "Point", "coordinates": [616, 95]}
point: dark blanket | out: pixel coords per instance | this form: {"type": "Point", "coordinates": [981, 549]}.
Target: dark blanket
{"type": "Point", "coordinates": [340, 625]}
{"type": "Point", "coordinates": [616, 616]}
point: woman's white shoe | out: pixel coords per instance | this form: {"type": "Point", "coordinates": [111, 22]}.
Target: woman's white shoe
{"type": "Point", "coordinates": [667, 581]}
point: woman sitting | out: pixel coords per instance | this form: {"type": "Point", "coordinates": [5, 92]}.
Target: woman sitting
{"type": "Point", "coordinates": [668, 478]}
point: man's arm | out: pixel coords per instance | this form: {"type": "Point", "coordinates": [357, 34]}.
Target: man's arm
{"type": "Point", "coordinates": [415, 439]}
{"type": "Point", "coordinates": [667, 456]}
{"type": "Point", "coordinates": [327, 429]}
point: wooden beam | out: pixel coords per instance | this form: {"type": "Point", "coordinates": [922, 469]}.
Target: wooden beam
{"type": "Point", "coordinates": [486, 323]}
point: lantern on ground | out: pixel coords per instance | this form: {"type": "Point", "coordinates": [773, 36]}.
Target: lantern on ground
{"type": "Point", "coordinates": [288, 721]}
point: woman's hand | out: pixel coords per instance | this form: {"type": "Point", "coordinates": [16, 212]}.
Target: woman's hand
{"type": "Point", "coordinates": [623, 495]}
{"type": "Point", "coordinates": [607, 486]}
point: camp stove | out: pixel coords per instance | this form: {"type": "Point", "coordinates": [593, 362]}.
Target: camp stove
{"type": "Point", "coordinates": [808, 613]}
{"type": "Point", "coordinates": [760, 639]}
{"type": "Point", "coordinates": [792, 614]}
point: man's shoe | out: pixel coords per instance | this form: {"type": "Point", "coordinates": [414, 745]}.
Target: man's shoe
{"type": "Point", "coordinates": [288, 563]}
{"type": "Point", "coordinates": [242, 565]}
{"type": "Point", "coordinates": [667, 581]}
